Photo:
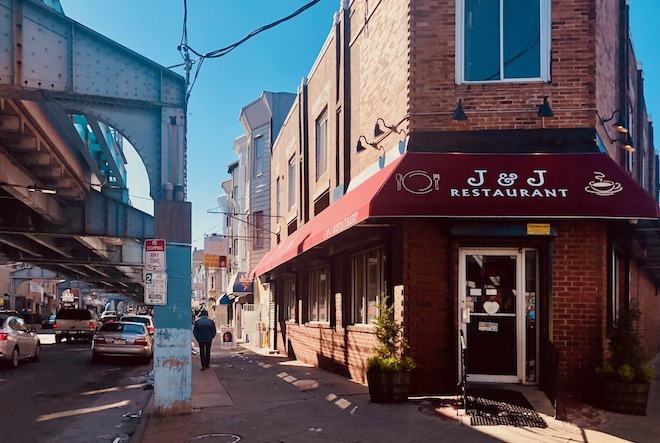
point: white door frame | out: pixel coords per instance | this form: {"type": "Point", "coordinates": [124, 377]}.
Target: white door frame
{"type": "Point", "coordinates": [520, 313]}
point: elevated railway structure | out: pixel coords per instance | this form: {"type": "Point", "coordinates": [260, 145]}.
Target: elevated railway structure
{"type": "Point", "coordinates": [68, 98]}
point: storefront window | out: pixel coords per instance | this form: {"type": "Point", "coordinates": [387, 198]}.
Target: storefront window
{"type": "Point", "coordinates": [368, 284]}
{"type": "Point", "coordinates": [318, 294]}
{"type": "Point", "coordinates": [531, 285]}
{"type": "Point", "coordinates": [287, 290]}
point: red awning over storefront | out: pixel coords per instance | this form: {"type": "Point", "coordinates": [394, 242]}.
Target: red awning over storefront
{"type": "Point", "coordinates": [547, 186]}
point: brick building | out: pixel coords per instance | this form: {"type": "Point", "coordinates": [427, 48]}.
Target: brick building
{"type": "Point", "coordinates": [462, 160]}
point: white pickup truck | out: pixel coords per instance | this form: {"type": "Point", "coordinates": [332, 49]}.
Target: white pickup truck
{"type": "Point", "coordinates": [75, 323]}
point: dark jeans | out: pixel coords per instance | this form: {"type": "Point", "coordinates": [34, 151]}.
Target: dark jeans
{"type": "Point", "coordinates": [205, 353]}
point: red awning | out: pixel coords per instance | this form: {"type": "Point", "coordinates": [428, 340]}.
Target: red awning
{"type": "Point", "coordinates": [546, 186]}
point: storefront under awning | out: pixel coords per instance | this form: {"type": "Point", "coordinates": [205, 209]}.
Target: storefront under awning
{"type": "Point", "coordinates": [536, 186]}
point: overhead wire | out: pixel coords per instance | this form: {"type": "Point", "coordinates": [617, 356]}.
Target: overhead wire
{"type": "Point", "coordinates": [186, 49]}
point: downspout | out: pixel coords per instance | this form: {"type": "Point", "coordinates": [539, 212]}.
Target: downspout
{"type": "Point", "coordinates": [346, 96]}
{"type": "Point", "coordinates": [304, 153]}
{"type": "Point", "coordinates": [623, 68]}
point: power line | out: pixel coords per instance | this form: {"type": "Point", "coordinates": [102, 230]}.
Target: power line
{"type": "Point", "coordinates": [185, 49]}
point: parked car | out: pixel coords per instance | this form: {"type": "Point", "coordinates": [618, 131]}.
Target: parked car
{"type": "Point", "coordinates": [10, 312]}
{"type": "Point", "coordinates": [75, 323]}
{"type": "Point", "coordinates": [109, 316]}
{"type": "Point", "coordinates": [47, 323]}
{"type": "Point", "coordinates": [17, 341]}
{"type": "Point", "coordinates": [147, 320]}
{"type": "Point", "coordinates": [127, 339]}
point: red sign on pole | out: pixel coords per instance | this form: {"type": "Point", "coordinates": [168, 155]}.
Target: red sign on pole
{"type": "Point", "coordinates": [154, 255]}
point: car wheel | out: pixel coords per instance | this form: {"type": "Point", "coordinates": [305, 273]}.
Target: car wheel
{"type": "Point", "coordinates": [14, 359]}
{"type": "Point", "coordinates": [37, 352]}
{"type": "Point", "coordinates": [58, 339]}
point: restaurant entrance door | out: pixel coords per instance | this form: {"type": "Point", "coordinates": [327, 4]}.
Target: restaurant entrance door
{"type": "Point", "coordinates": [497, 309]}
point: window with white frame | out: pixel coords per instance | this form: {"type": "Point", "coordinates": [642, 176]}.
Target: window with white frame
{"type": "Point", "coordinates": [258, 156]}
{"type": "Point", "coordinates": [287, 288]}
{"type": "Point", "coordinates": [319, 288]}
{"type": "Point", "coordinates": [258, 229]}
{"type": "Point", "coordinates": [503, 40]}
{"type": "Point", "coordinates": [292, 184]}
{"type": "Point", "coordinates": [369, 283]}
{"type": "Point", "coordinates": [322, 144]}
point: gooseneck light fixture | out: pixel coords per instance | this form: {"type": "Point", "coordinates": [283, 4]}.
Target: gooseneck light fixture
{"type": "Point", "coordinates": [545, 110]}
{"type": "Point", "coordinates": [626, 142]}
{"type": "Point", "coordinates": [459, 113]}
{"type": "Point", "coordinates": [390, 128]}
{"type": "Point", "coordinates": [380, 134]}
{"type": "Point", "coordinates": [620, 124]}
{"type": "Point", "coordinates": [360, 147]}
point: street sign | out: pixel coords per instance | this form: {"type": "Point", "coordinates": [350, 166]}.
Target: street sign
{"type": "Point", "coordinates": [155, 288]}
{"type": "Point", "coordinates": [154, 255]}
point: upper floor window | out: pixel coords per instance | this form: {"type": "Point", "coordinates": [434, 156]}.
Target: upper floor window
{"type": "Point", "coordinates": [292, 182]}
{"type": "Point", "coordinates": [503, 40]}
{"type": "Point", "coordinates": [258, 156]}
{"type": "Point", "coordinates": [322, 144]}
{"type": "Point", "coordinates": [258, 229]}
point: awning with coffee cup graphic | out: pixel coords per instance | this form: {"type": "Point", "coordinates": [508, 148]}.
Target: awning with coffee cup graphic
{"type": "Point", "coordinates": [456, 185]}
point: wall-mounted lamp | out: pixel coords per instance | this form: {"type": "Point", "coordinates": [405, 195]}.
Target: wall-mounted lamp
{"type": "Point", "coordinates": [626, 142]}
{"type": "Point", "coordinates": [621, 124]}
{"type": "Point", "coordinates": [360, 147]}
{"type": "Point", "coordinates": [545, 110]}
{"type": "Point", "coordinates": [459, 113]}
{"type": "Point", "coordinates": [391, 128]}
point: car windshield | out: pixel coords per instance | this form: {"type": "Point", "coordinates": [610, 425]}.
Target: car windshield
{"type": "Point", "coordinates": [3, 318]}
{"type": "Point", "coordinates": [74, 314]}
{"type": "Point", "coordinates": [122, 327]}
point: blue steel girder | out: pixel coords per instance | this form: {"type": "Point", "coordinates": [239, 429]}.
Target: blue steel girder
{"type": "Point", "coordinates": [49, 56]}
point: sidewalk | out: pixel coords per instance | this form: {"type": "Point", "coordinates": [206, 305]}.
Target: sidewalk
{"type": "Point", "coordinates": [252, 396]}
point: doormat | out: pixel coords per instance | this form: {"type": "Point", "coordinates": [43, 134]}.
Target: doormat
{"type": "Point", "coordinates": [494, 407]}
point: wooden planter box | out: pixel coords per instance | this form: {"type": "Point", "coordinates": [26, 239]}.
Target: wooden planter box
{"type": "Point", "coordinates": [625, 397]}
{"type": "Point", "coordinates": [388, 387]}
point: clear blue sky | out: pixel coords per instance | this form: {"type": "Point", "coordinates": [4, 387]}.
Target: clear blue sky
{"type": "Point", "coordinates": [276, 60]}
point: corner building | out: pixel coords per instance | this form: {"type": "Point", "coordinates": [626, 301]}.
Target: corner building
{"type": "Point", "coordinates": [461, 158]}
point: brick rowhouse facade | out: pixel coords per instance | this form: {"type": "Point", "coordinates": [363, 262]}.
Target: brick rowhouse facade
{"type": "Point", "coordinates": [356, 224]}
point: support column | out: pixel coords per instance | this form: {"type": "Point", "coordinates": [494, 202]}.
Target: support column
{"type": "Point", "coordinates": [172, 352]}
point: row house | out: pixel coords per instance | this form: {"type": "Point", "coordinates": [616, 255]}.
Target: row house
{"type": "Point", "coordinates": [489, 167]}
{"type": "Point", "coordinates": [248, 212]}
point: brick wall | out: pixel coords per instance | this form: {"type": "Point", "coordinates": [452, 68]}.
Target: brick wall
{"type": "Point", "coordinates": [379, 74]}
{"type": "Point", "coordinates": [434, 91]}
{"type": "Point", "coordinates": [341, 350]}
{"type": "Point", "coordinates": [429, 318]}
{"type": "Point", "coordinates": [579, 299]}
{"type": "Point", "coordinates": [644, 291]}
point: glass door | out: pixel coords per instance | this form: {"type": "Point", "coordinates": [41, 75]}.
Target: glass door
{"type": "Point", "coordinates": [493, 302]}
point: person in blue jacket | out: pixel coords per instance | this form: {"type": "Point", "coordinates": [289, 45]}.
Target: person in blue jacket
{"type": "Point", "coordinates": [204, 332]}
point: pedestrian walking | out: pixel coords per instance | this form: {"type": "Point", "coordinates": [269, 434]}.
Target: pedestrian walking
{"type": "Point", "coordinates": [204, 332]}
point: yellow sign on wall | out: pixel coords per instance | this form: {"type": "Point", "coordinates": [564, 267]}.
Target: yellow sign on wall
{"type": "Point", "coordinates": [215, 261]}
{"type": "Point", "coordinates": [538, 228]}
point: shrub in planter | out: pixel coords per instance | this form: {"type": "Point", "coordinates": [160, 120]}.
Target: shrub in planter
{"type": "Point", "coordinates": [625, 379]}
{"type": "Point", "coordinates": [388, 371]}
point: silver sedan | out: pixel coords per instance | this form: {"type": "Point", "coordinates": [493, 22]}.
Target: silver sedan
{"type": "Point", "coordinates": [17, 341]}
{"type": "Point", "coordinates": [123, 339]}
